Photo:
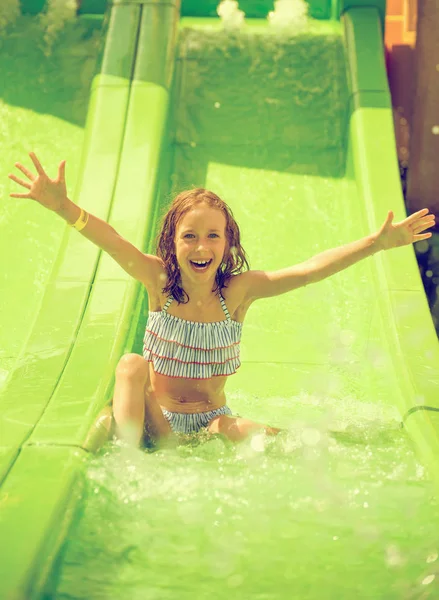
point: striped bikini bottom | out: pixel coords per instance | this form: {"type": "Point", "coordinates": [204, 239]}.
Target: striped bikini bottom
{"type": "Point", "coordinates": [193, 422]}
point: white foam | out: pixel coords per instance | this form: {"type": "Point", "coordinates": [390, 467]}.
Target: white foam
{"type": "Point", "coordinates": [231, 16]}
{"type": "Point", "coordinates": [57, 14]}
{"type": "Point", "coordinates": [9, 12]}
{"type": "Point", "coordinates": [289, 15]}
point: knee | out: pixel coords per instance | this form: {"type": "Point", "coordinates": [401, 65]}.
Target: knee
{"type": "Point", "coordinates": [133, 367]}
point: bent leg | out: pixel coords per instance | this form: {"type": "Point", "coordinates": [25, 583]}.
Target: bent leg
{"type": "Point", "coordinates": [238, 429]}
{"type": "Point", "coordinates": [132, 406]}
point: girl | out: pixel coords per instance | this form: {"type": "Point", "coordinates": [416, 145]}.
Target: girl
{"type": "Point", "coordinates": [199, 289]}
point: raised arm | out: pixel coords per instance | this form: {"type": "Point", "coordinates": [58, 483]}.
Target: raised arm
{"type": "Point", "coordinates": [146, 268]}
{"type": "Point", "coordinates": [52, 194]}
{"type": "Point", "coordinates": [262, 284]}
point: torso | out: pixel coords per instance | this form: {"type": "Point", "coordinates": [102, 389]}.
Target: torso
{"type": "Point", "coordinates": [191, 395]}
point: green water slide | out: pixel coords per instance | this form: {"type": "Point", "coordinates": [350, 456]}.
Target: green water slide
{"type": "Point", "coordinates": [296, 134]}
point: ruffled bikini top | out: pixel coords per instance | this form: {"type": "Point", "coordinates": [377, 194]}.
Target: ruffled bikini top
{"type": "Point", "coordinates": [192, 349]}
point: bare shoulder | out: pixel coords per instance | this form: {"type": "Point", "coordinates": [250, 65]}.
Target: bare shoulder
{"type": "Point", "coordinates": [236, 295]}
{"type": "Point", "coordinates": [156, 282]}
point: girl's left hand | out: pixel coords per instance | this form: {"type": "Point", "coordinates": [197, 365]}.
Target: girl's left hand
{"type": "Point", "coordinates": [405, 232]}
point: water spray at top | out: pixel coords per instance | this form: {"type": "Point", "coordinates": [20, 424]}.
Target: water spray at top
{"type": "Point", "coordinates": [231, 16]}
{"type": "Point", "coordinates": [289, 15]}
{"type": "Point", "coordinates": [9, 12]}
{"type": "Point", "coordinates": [57, 14]}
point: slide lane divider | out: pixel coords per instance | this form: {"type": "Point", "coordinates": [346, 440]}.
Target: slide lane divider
{"type": "Point", "coordinates": [404, 313]}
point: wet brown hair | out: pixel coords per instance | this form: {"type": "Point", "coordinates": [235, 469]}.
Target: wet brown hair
{"type": "Point", "coordinates": [235, 259]}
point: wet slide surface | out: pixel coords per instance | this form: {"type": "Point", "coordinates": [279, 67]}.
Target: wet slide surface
{"type": "Point", "coordinates": [340, 503]}
{"type": "Point", "coordinates": [43, 108]}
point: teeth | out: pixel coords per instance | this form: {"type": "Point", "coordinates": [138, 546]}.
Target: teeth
{"type": "Point", "coordinates": [200, 262]}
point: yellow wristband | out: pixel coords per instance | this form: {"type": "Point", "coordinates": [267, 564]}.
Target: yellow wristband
{"type": "Point", "coordinates": [82, 221]}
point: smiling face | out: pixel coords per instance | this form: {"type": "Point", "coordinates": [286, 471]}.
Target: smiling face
{"type": "Point", "coordinates": [200, 238]}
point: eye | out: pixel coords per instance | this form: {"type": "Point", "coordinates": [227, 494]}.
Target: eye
{"type": "Point", "coordinates": [213, 234]}
{"type": "Point", "coordinates": [188, 235]}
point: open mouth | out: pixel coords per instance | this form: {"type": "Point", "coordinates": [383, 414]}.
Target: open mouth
{"type": "Point", "coordinates": [200, 265]}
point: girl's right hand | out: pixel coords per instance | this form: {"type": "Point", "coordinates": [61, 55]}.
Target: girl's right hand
{"type": "Point", "coordinates": [50, 193]}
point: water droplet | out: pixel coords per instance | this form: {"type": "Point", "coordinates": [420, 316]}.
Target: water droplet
{"type": "Point", "coordinates": [347, 337]}
{"type": "Point", "coordinates": [422, 247]}
{"type": "Point", "coordinates": [258, 442]}
{"type": "Point", "coordinates": [235, 580]}
{"type": "Point", "coordinates": [311, 437]}
{"type": "Point", "coordinates": [393, 556]}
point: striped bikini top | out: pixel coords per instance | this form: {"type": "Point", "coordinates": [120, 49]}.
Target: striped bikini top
{"type": "Point", "coordinates": [191, 349]}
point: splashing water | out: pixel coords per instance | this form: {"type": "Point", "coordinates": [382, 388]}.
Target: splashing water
{"type": "Point", "coordinates": [9, 12]}
{"type": "Point", "coordinates": [57, 14]}
{"type": "Point", "coordinates": [231, 16]}
{"type": "Point", "coordinates": [289, 15]}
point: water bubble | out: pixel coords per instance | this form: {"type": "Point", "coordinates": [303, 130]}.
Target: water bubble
{"type": "Point", "coordinates": [235, 580]}
{"type": "Point", "coordinates": [432, 557]}
{"type": "Point", "coordinates": [193, 144]}
{"type": "Point", "coordinates": [427, 580]}
{"type": "Point", "coordinates": [335, 537]}
{"type": "Point", "coordinates": [365, 505]}
{"type": "Point", "coordinates": [217, 105]}
{"type": "Point", "coordinates": [311, 437]}
{"type": "Point", "coordinates": [3, 376]}
{"type": "Point", "coordinates": [393, 556]}
{"type": "Point", "coordinates": [429, 273]}
{"type": "Point", "coordinates": [422, 247]}
{"type": "Point", "coordinates": [347, 337]}
{"type": "Point", "coordinates": [435, 130]}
